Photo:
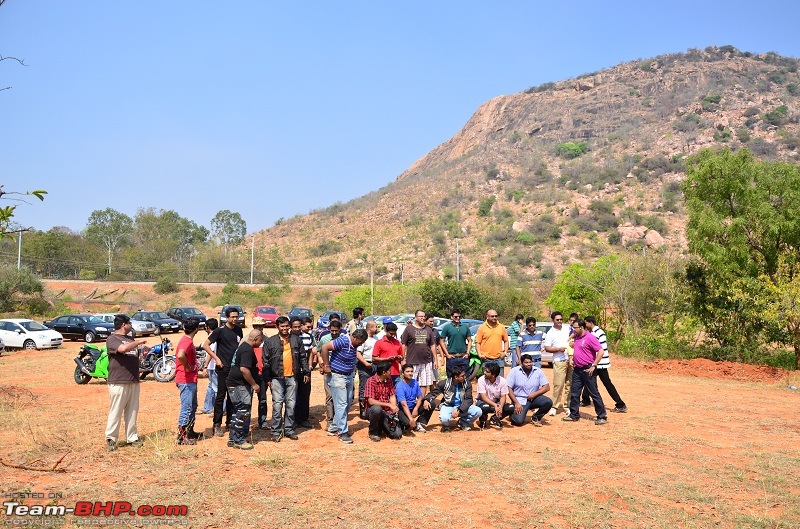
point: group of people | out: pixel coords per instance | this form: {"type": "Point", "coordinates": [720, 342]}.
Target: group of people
{"type": "Point", "coordinates": [399, 384]}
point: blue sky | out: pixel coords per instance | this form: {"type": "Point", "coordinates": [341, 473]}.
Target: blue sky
{"type": "Point", "coordinates": [272, 109]}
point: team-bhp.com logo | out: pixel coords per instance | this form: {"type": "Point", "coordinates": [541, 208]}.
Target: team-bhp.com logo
{"type": "Point", "coordinates": [90, 510]}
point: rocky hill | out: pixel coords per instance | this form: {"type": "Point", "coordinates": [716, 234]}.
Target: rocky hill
{"type": "Point", "coordinates": [563, 172]}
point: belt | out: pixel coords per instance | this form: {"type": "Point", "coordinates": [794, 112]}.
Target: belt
{"type": "Point", "coordinates": [344, 374]}
{"type": "Point", "coordinates": [586, 366]}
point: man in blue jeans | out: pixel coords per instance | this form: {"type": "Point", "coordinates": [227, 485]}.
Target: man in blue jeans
{"type": "Point", "coordinates": [285, 361]}
{"type": "Point", "coordinates": [526, 388]}
{"type": "Point", "coordinates": [457, 403]}
{"type": "Point", "coordinates": [338, 362]}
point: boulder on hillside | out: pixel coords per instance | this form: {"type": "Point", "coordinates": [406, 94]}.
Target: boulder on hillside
{"type": "Point", "coordinates": [653, 239]}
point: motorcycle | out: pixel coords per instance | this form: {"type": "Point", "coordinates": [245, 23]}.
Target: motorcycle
{"type": "Point", "coordinates": [92, 362]}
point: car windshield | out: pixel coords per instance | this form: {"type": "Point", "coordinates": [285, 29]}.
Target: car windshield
{"type": "Point", "coordinates": [267, 310]}
{"type": "Point", "coordinates": [328, 313]}
{"type": "Point", "coordinates": [33, 325]}
{"type": "Point", "coordinates": [93, 319]}
{"type": "Point", "coordinates": [160, 315]}
{"type": "Point", "coordinates": [193, 311]}
{"type": "Point", "coordinates": [301, 312]}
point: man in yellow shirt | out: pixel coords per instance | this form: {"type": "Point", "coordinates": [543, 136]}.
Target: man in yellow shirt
{"type": "Point", "coordinates": [492, 341]}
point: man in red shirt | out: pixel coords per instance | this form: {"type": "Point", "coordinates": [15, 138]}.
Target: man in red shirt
{"type": "Point", "coordinates": [389, 349]}
{"type": "Point", "coordinates": [186, 370]}
{"type": "Point", "coordinates": [382, 402]}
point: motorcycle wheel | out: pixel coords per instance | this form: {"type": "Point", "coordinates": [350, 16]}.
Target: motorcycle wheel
{"type": "Point", "coordinates": [81, 377]}
{"type": "Point", "coordinates": [164, 369]}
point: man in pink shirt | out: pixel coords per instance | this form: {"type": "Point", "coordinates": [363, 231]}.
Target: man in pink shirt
{"type": "Point", "coordinates": [587, 354]}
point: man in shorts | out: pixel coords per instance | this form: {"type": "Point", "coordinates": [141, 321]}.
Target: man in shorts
{"type": "Point", "coordinates": [419, 350]}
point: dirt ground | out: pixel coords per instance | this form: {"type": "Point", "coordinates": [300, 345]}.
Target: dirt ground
{"type": "Point", "coordinates": [703, 445]}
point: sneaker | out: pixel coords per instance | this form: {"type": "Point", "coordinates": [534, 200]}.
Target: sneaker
{"type": "Point", "coordinates": [346, 439]}
{"type": "Point", "coordinates": [445, 429]}
{"type": "Point", "coordinates": [292, 436]}
{"type": "Point", "coordinates": [536, 422]}
{"type": "Point", "coordinates": [187, 441]}
{"type": "Point", "coordinates": [585, 404]}
{"type": "Point", "coordinates": [138, 443]}
{"type": "Point", "coordinates": [482, 423]}
{"type": "Point", "coordinates": [231, 444]}
{"type": "Point", "coordinates": [552, 412]}
{"type": "Point", "coordinates": [600, 421]}
{"type": "Point", "coordinates": [570, 418]}
{"type": "Point", "coordinates": [218, 431]}
{"type": "Point", "coordinates": [464, 427]}
{"type": "Point", "coordinates": [623, 409]}
{"type": "Point", "coordinates": [420, 428]}
{"type": "Point", "coordinates": [495, 421]}
{"type": "Point", "coordinates": [376, 438]}
{"type": "Point", "coordinates": [111, 445]}
{"type": "Point", "coordinates": [243, 446]}
{"type": "Point", "coordinates": [333, 432]}
{"type": "Point", "coordinates": [204, 412]}
{"type": "Point", "coordinates": [276, 438]}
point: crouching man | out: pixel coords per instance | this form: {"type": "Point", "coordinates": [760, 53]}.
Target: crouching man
{"type": "Point", "coordinates": [457, 403]}
{"type": "Point", "coordinates": [382, 405]}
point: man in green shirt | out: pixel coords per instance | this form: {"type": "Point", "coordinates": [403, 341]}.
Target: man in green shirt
{"type": "Point", "coordinates": [457, 339]}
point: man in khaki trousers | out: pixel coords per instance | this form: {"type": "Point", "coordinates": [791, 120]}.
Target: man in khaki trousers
{"type": "Point", "coordinates": [123, 382]}
{"type": "Point", "coordinates": [556, 341]}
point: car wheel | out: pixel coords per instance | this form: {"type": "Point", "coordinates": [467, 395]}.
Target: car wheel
{"type": "Point", "coordinates": [89, 336]}
{"type": "Point", "coordinates": [29, 344]}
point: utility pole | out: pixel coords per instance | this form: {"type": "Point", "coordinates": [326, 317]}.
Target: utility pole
{"type": "Point", "coordinates": [252, 256]}
{"type": "Point", "coordinates": [19, 250]}
{"type": "Point", "coordinates": [372, 288]}
{"type": "Point", "coordinates": [402, 273]}
{"type": "Point", "coordinates": [458, 263]}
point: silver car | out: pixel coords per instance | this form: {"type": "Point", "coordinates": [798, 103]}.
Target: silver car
{"type": "Point", "coordinates": [140, 328]}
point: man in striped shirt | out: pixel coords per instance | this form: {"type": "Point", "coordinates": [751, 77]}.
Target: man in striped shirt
{"type": "Point", "coordinates": [338, 364]}
{"type": "Point", "coordinates": [602, 369]}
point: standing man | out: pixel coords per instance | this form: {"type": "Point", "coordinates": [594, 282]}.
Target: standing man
{"type": "Point", "coordinates": [284, 361]}
{"type": "Point", "coordinates": [382, 402]}
{"type": "Point", "coordinates": [302, 409]}
{"type": "Point", "coordinates": [529, 342]}
{"type": "Point", "coordinates": [333, 332]}
{"type": "Point", "coordinates": [457, 403]}
{"type": "Point", "coordinates": [186, 370]}
{"type": "Point", "coordinates": [513, 333]}
{"type": "Point", "coordinates": [492, 395]}
{"type": "Point", "coordinates": [364, 366]}
{"type": "Point", "coordinates": [492, 341]}
{"type": "Point", "coordinates": [602, 369]}
{"type": "Point", "coordinates": [211, 369]}
{"type": "Point", "coordinates": [227, 339]}
{"type": "Point", "coordinates": [241, 385]}
{"type": "Point", "coordinates": [439, 347]}
{"type": "Point", "coordinates": [389, 349]}
{"type": "Point", "coordinates": [556, 341]}
{"type": "Point", "coordinates": [419, 350]}
{"type": "Point", "coordinates": [527, 387]}
{"type": "Point", "coordinates": [414, 412]}
{"type": "Point", "coordinates": [588, 353]}
{"type": "Point", "coordinates": [458, 339]}
{"type": "Point", "coordinates": [123, 382]}
{"type": "Point", "coordinates": [258, 324]}
{"type": "Point", "coordinates": [338, 362]}
{"type": "Point", "coordinates": [357, 321]}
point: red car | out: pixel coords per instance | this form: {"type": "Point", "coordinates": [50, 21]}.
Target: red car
{"type": "Point", "coordinates": [270, 314]}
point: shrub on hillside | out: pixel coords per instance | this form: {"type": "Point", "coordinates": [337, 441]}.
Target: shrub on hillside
{"type": "Point", "coordinates": [570, 149]}
{"type": "Point", "coordinates": [166, 285]}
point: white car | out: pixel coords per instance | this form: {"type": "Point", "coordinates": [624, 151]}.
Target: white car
{"type": "Point", "coordinates": [28, 334]}
{"type": "Point", "coordinates": [140, 328]}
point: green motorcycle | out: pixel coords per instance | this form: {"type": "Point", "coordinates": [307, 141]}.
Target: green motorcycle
{"type": "Point", "coordinates": [92, 363]}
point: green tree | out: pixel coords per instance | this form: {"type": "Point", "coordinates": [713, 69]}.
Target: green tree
{"type": "Point", "coordinates": [110, 227]}
{"type": "Point", "coordinates": [441, 296]}
{"type": "Point", "coordinates": [744, 231]}
{"type": "Point", "coordinates": [162, 238]}
{"type": "Point", "coordinates": [15, 286]}
{"type": "Point", "coordinates": [228, 228]}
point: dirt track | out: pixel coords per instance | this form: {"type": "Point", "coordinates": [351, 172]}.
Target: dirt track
{"type": "Point", "coordinates": [692, 452]}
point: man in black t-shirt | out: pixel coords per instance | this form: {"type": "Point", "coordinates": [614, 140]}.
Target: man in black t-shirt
{"type": "Point", "coordinates": [241, 383]}
{"type": "Point", "coordinates": [227, 339]}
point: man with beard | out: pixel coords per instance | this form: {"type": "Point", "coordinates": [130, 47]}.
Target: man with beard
{"type": "Point", "coordinates": [382, 405]}
{"type": "Point", "coordinates": [227, 339]}
{"type": "Point", "coordinates": [241, 384]}
{"type": "Point", "coordinates": [527, 387]}
{"type": "Point", "coordinates": [588, 353]}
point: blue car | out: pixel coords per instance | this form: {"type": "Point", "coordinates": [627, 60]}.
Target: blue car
{"type": "Point", "coordinates": [325, 319]}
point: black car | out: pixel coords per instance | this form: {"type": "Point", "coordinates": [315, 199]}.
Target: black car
{"type": "Point", "coordinates": [223, 319]}
{"type": "Point", "coordinates": [86, 326]}
{"type": "Point", "coordinates": [300, 312]}
{"type": "Point", "coordinates": [162, 322]}
{"type": "Point", "coordinates": [184, 313]}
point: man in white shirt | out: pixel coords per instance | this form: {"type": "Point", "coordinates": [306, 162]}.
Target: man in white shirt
{"type": "Point", "coordinates": [556, 341]}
